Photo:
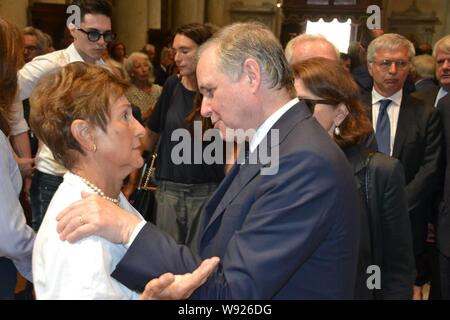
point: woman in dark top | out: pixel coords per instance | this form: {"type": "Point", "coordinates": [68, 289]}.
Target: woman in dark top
{"type": "Point", "coordinates": [185, 180]}
{"type": "Point", "coordinates": [385, 241]}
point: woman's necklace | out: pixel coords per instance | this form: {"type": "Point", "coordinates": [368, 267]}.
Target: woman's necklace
{"type": "Point", "coordinates": [98, 191]}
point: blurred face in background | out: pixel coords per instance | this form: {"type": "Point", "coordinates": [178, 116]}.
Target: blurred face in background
{"type": "Point", "coordinates": [141, 69]}
{"type": "Point", "coordinates": [30, 48]}
{"type": "Point", "coordinates": [443, 68]}
{"type": "Point", "coordinates": [185, 50]}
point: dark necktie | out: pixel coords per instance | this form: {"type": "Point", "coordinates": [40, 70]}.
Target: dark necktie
{"type": "Point", "coordinates": [383, 132]}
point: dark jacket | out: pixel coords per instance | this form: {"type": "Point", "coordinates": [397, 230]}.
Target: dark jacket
{"type": "Point", "coordinates": [292, 235]}
{"type": "Point", "coordinates": [388, 240]}
{"type": "Point", "coordinates": [443, 219]}
{"type": "Point", "coordinates": [418, 146]}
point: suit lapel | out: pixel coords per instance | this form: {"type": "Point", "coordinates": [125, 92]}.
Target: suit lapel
{"type": "Point", "coordinates": [241, 176]}
{"type": "Point", "coordinates": [405, 119]}
{"type": "Point", "coordinates": [367, 101]}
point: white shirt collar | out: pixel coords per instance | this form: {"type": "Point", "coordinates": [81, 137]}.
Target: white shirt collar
{"type": "Point", "coordinates": [442, 93]}
{"type": "Point", "coordinates": [396, 97]}
{"type": "Point", "coordinates": [74, 55]}
{"type": "Point", "coordinates": [264, 129]}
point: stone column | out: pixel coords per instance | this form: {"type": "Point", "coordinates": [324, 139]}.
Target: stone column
{"type": "Point", "coordinates": [15, 11]}
{"type": "Point", "coordinates": [187, 11]}
{"type": "Point", "coordinates": [132, 19]}
{"type": "Point", "coordinates": [154, 14]}
{"type": "Point", "coordinates": [215, 12]}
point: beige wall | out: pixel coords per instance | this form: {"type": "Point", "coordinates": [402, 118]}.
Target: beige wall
{"type": "Point", "coordinates": [15, 11]}
{"type": "Point", "coordinates": [187, 11]}
{"type": "Point", "coordinates": [440, 7]}
{"type": "Point", "coordinates": [133, 18]}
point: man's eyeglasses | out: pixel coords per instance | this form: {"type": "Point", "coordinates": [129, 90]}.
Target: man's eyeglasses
{"type": "Point", "coordinates": [385, 65]}
{"type": "Point", "coordinates": [311, 103]}
{"type": "Point", "coordinates": [94, 36]}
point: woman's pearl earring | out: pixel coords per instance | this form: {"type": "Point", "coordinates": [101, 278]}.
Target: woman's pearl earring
{"type": "Point", "coordinates": [337, 131]}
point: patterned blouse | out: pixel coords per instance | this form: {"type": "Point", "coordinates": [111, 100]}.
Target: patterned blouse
{"type": "Point", "coordinates": [145, 101]}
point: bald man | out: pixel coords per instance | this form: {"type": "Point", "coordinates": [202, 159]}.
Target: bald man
{"type": "Point", "coordinates": [307, 46]}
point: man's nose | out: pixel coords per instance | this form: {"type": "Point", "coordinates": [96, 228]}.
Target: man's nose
{"type": "Point", "coordinates": [446, 64]}
{"type": "Point", "coordinates": [205, 109]}
{"type": "Point", "coordinates": [393, 68]}
{"type": "Point", "coordinates": [102, 41]}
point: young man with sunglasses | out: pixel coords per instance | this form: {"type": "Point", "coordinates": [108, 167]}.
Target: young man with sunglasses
{"type": "Point", "coordinates": [90, 40]}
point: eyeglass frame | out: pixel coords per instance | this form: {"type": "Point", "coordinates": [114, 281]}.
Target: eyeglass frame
{"type": "Point", "coordinates": [311, 103]}
{"type": "Point", "coordinates": [89, 33]}
{"type": "Point", "coordinates": [386, 64]}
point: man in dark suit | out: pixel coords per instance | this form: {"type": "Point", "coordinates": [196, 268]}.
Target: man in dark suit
{"type": "Point", "coordinates": [286, 228]}
{"type": "Point", "coordinates": [406, 129]}
{"type": "Point", "coordinates": [441, 99]}
{"type": "Point", "coordinates": [438, 97]}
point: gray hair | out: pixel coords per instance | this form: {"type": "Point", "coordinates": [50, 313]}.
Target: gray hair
{"type": "Point", "coordinates": [442, 45]}
{"type": "Point", "coordinates": [304, 38]}
{"type": "Point", "coordinates": [390, 41]}
{"type": "Point", "coordinates": [424, 66]}
{"type": "Point", "coordinates": [42, 41]}
{"type": "Point", "coordinates": [129, 65]}
{"type": "Point", "coordinates": [251, 40]}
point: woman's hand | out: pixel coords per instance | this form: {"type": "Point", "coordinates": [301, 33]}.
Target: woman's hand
{"type": "Point", "coordinates": [180, 287]}
{"type": "Point", "coordinates": [94, 215]}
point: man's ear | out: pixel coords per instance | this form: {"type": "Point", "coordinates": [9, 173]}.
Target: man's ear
{"type": "Point", "coordinates": [253, 74]}
{"type": "Point", "coordinates": [82, 131]}
{"type": "Point", "coordinates": [341, 113]}
{"type": "Point", "coordinates": [369, 67]}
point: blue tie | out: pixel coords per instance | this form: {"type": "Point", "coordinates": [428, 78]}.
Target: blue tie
{"type": "Point", "coordinates": [383, 133]}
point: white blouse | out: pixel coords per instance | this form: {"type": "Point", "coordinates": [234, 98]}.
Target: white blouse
{"type": "Point", "coordinates": [79, 271]}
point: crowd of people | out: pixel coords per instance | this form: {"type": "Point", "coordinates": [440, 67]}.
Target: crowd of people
{"type": "Point", "coordinates": [359, 142]}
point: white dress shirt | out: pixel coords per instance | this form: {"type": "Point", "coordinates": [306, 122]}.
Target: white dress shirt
{"type": "Point", "coordinates": [81, 270]}
{"type": "Point", "coordinates": [393, 111]}
{"type": "Point", "coordinates": [442, 93]}
{"type": "Point", "coordinates": [264, 129]}
{"type": "Point", "coordinates": [29, 76]}
{"type": "Point", "coordinates": [17, 122]}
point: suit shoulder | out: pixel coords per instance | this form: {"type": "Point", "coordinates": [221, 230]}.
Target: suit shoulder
{"type": "Point", "coordinates": [420, 107]}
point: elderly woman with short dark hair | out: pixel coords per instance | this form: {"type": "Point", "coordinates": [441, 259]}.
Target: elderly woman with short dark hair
{"type": "Point", "coordinates": [81, 113]}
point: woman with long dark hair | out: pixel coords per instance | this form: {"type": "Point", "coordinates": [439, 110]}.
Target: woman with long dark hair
{"type": "Point", "coordinates": [183, 187]}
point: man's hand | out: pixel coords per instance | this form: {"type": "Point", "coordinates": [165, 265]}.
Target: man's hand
{"type": "Point", "coordinates": [94, 215]}
{"type": "Point", "coordinates": [179, 287]}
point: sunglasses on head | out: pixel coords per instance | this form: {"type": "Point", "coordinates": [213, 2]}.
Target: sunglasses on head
{"type": "Point", "coordinates": [94, 35]}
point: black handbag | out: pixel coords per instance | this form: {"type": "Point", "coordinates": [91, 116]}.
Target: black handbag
{"type": "Point", "coordinates": [143, 199]}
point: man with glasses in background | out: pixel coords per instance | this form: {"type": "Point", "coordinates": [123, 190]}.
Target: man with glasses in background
{"type": "Point", "coordinates": [407, 129]}
{"type": "Point", "coordinates": [90, 40]}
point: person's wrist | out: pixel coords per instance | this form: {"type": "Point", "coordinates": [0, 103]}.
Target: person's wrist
{"type": "Point", "coordinates": [129, 226]}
